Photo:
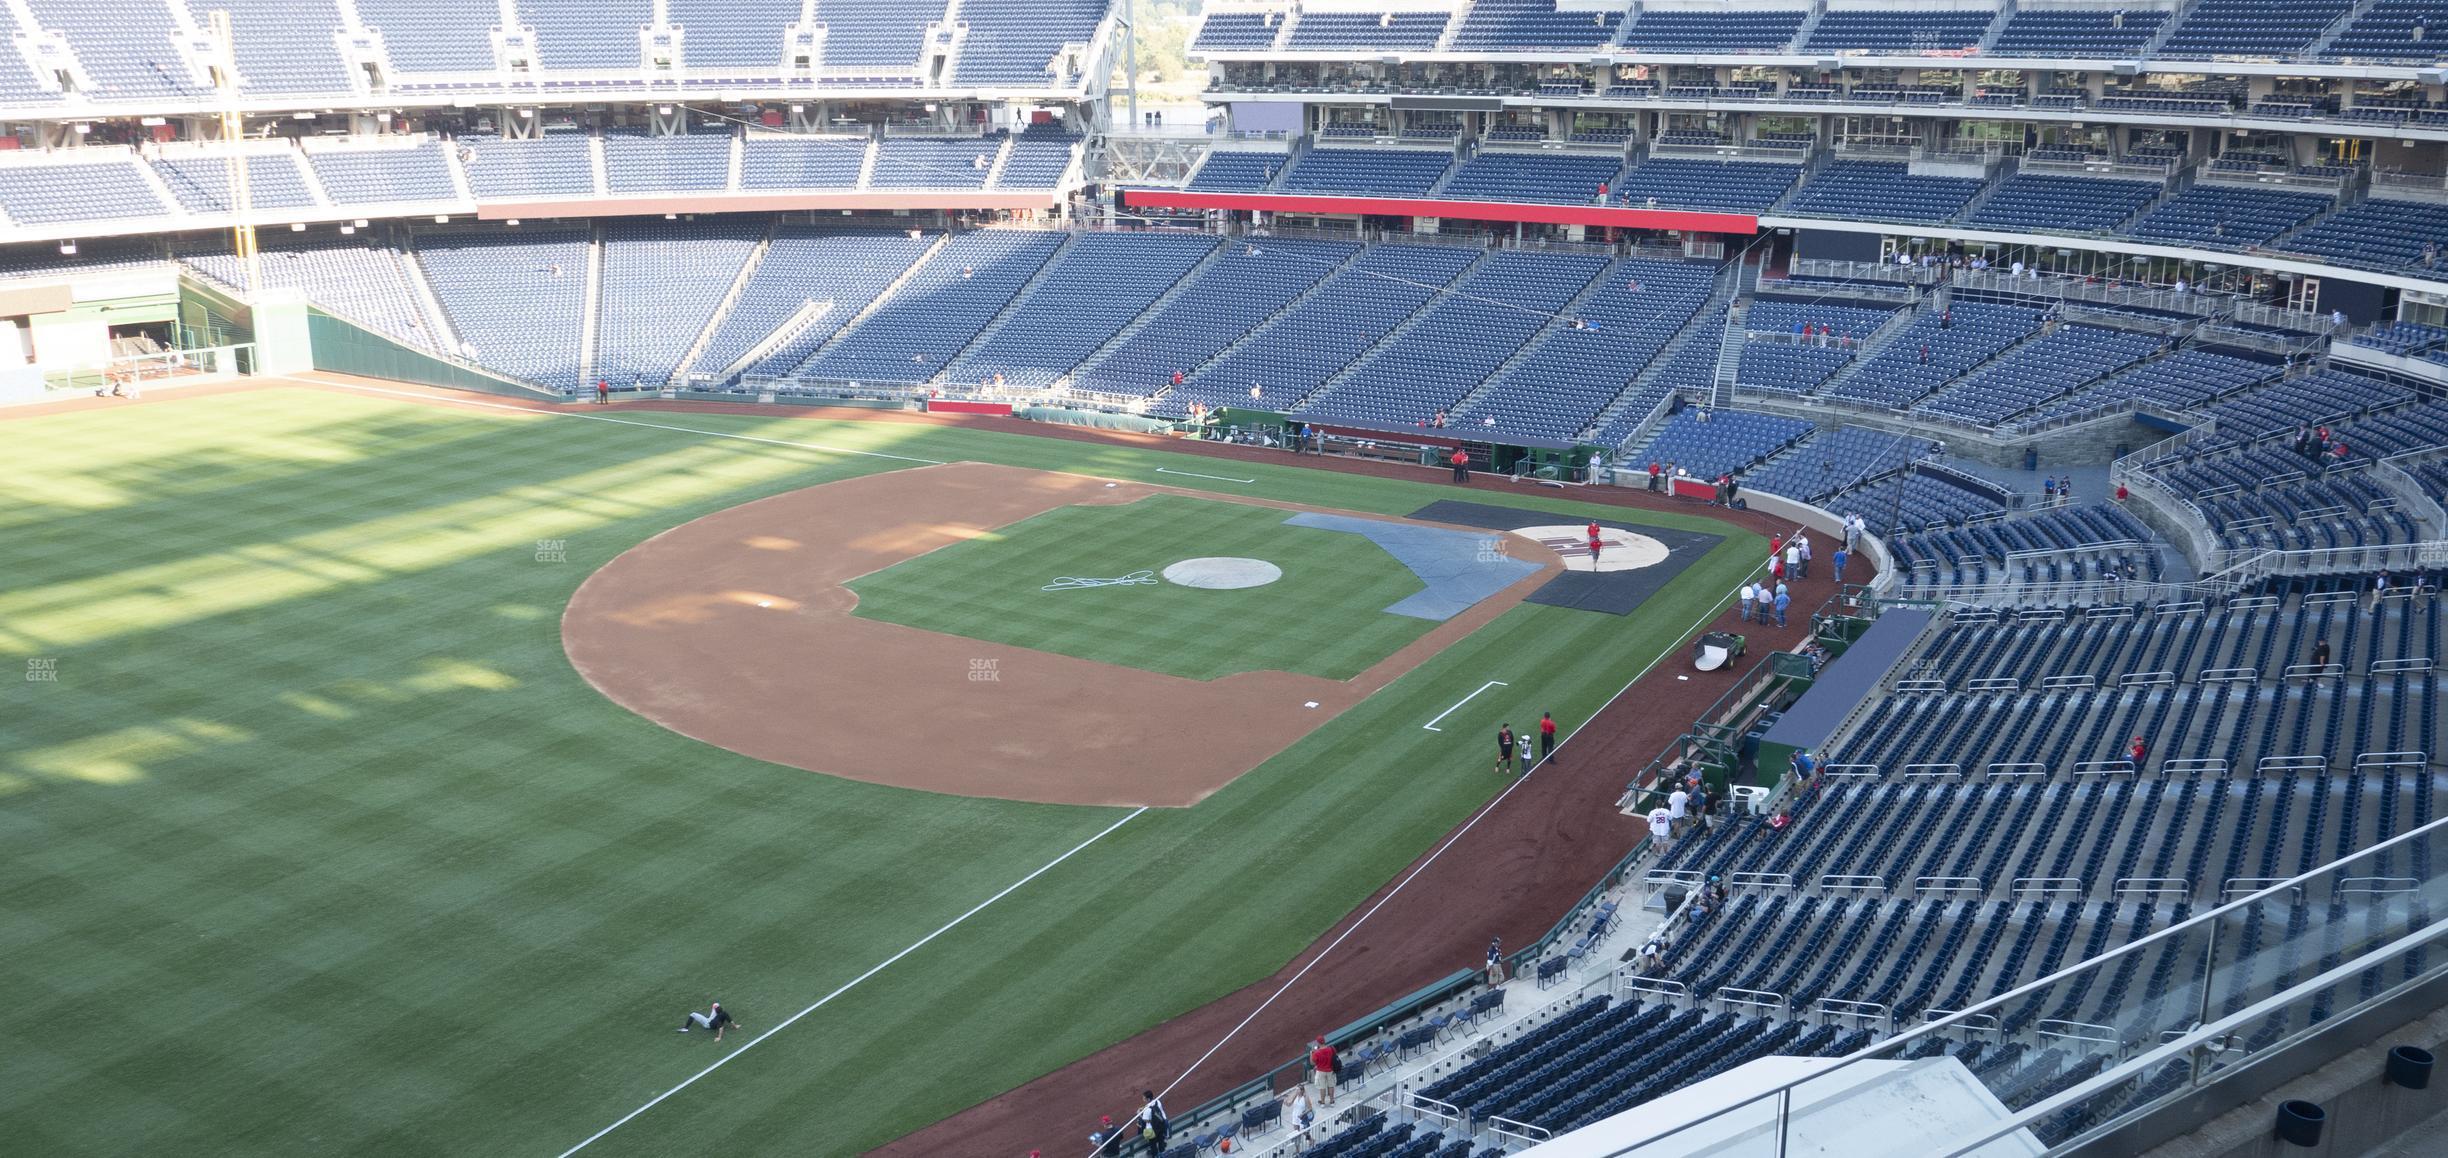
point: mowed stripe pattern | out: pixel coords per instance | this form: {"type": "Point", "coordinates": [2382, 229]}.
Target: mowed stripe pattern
{"type": "Point", "coordinates": [316, 845]}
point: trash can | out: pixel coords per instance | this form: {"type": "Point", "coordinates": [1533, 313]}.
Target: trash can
{"type": "Point", "coordinates": [2409, 1066]}
{"type": "Point", "coordinates": [2300, 1122]}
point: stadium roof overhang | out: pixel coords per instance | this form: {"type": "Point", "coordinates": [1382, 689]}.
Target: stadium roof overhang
{"type": "Point", "coordinates": [1041, 200]}
{"type": "Point", "coordinates": [1602, 215]}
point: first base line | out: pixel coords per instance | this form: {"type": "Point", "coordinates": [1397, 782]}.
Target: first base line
{"type": "Point", "coordinates": [1432, 724]}
{"type": "Point", "coordinates": [1195, 474]}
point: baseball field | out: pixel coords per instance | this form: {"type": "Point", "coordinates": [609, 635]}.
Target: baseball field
{"type": "Point", "coordinates": [388, 775]}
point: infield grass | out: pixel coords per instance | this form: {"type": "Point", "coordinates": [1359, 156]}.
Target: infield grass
{"type": "Point", "coordinates": [311, 842]}
{"type": "Point", "coordinates": [1325, 617]}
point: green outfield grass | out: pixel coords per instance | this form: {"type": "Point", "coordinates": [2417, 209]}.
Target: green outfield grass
{"type": "Point", "coordinates": [311, 842]}
{"type": "Point", "coordinates": [1325, 617]}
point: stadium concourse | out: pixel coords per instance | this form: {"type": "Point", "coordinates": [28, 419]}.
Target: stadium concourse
{"type": "Point", "coordinates": [2095, 794]}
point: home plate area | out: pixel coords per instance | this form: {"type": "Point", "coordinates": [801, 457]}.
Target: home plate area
{"type": "Point", "coordinates": [1618, 549]}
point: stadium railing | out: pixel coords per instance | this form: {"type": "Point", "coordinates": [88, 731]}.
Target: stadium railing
{"type": "Point", "coordinates": [2362, 927]}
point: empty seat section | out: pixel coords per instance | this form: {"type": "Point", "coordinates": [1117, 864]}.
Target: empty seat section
{"type": "Point", "coordinates": [1098, 284]}
{"type": "Point", "coordinates": [1327, 331]}
{"type": "Point", "coordinates": [129, 51]}
{"type": "Point", "coordinates": [2228, 215]}
{"type": "Point", "coordinates": [434, 35]}
{"type": "Point", "coordinates": [661, 283]}
{"type": "Point", "coordinates": [1935, 348]}
{"type": "Point", "coordinates": [517, 301]}
{"type": "Point", "coordinates": [736, 36]}
{"type": "Point", "coordinates": [934, 162]}
{"type": "Point", "coordinates": [1237, 172]}
{"type": "Point", "coordinates": [1027, 43]}
{"type": "Point", "coordinates": [282, 46]}
{"type": "Point", "coordinates": [378, 175]}
{"type": "Point", "coordinates": [1551, 178]}
{"type": "Point", "coordinates": [1727, 441]}
{"type": "Point", "coordinates": [1512, 25]}
{"type": "Point", "coordinates": [1559, 387]}
{"type": "Point", "coordinates": [1367, 172]}
{"type": "Point", "coordinates": [583, 34]}
{"type": "Point", "coordinates": [870, 38]}
{"type": "Point", "coordinates": [811, 281]}
{"type": "Point", "coordinates": [2252, 28]}
{"type": "Point", "coordinates": [2046, 203]}
{"type": "Point", "coordinates": [1237, 31]}
{"type": "Point", "coordinates": [1882, 191]}
{"type": "Point", "coordinates": [1412, 31]}
{"type": "Point", "coordinates": [1462, 337]}
{"type": "Point", "coordinates": [2376, 234]}
{"type": "Point", "coordinates": [1916, 30]}
{"type": "Point", "coordinates": [42, 194]}
{"type": "Point", "coordinates": [2038, 372]}
{"type": "Point", "coordinates": [939, 310]}
{"type": "Point", "coordinates": [1040, 155]}
{"type": "Point", "coordinates": [1720, 186]}
{"type": "Point", "coordinates": [363, 283]}
{"type": "Point", "coordinates": [1714, 31]}
{"type": "Point", "coordinates": [202, 183]}
{"type": "Point", "coordinates": [553, 165]}
{"type": "Point", "coordinates": [2077, 33]}
{"type": "Point", "coordinates": [638, 163]}
{"type": "Point", "coordinates": [2385, 31]}
{"type": "Point", "coordinates": [1223, 302]}
{"type": "Point", "coordinates": [769, 161]}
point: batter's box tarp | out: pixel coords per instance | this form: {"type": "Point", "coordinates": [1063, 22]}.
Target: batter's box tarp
{"type": "Point", "coordinates": [1610, 592]}
{"type": "Point", "coordinates": [1459, 568]}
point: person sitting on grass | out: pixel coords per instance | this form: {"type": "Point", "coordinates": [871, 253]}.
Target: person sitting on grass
{"type": "Point", "coordinates": [715, 1018]}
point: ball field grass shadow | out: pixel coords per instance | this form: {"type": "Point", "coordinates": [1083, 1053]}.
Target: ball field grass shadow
{"type": "Point", "coordinates": [1325, 617]}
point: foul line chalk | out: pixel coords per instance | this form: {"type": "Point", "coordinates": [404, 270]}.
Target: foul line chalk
{"type": "Point", "coordinates": [1195, 474]}
{"type": "Point", "coordinates": [1432, 724]}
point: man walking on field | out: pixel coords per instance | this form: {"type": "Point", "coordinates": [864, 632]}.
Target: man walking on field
{"type": "Point", "coordinates": [1504, 750]}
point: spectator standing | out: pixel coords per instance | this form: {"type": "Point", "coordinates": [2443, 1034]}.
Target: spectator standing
{"type": "Point", "coordinates": [1298, 1116]}
{"type": "Point", "coordinates": [1783, 601]}
{"type": "Point", "coordinates": [1495, 961]}
{"type": "Point", "coordinates": [1461, 465]}
{"type": "Point", "coordinates": [2380, 588]}
{"type": "Point", "coordinates": [1322, 1069]}
{"type": "Point", "coordinates": [1107, 1138]}
{"type": "Point", "coordinates": [603, 391]}
{"type": "Point", "coordinates": [2320, 653]}
{"type": "Point", "coordinates": [1764, 605]}
{"type": "Point", "coordinates": [1743, 605]}
{"type": "Point", "coordinates": [1547, 741]}
{"type": "Point", "coordinates": [1152, 1123]}
{"type": "Point", "coordinates": [1793, 560]}
{"type": "Point", "coordinates": [1803, 571]}
{"type": "Point", "coordinates": [1842, 556]}
{"type": "Point", "coordinates": [1661, 830]}
{"type": "Point", "coordinates": [1678, 807]}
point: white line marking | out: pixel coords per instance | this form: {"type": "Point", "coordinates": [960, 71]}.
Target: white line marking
{"type": "Point", "coordinates": [633, 422]}
{"type": "Point", "coordinates": [1432, 724]}
{"type": "Point", "coordinates": [1195, 474]}
{"type": "Point", "coordinates": [853, 982]}
{"type": "Point", "coordinates": [1450, 841]}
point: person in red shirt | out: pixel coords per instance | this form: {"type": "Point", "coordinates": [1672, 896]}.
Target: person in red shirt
{"type": "Point", "coordinates": [1177, 377]}
{"type": "Point", "coordinates": [2138, 751]}
{"type": "Point", "coordinates": [1547, 737]}
{"type": "Point", "coordinates": [1322, 1063]}
{"type": "Point", "coordinates": [1461, 465]}
{"type": "Point", "coordinates": [1653, 476]}
{"type": "Point", "coordinates": [603, 391]}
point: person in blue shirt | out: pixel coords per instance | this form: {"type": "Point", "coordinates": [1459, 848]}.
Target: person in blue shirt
{"type": "Point", "coordinates": [1783, 600]}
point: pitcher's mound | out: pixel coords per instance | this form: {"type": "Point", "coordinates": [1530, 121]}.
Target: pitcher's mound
{"type": "Point", "coordinates": [1222, 573]}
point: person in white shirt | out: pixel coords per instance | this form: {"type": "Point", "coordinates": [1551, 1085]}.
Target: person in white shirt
{"type": "Point", "coordinates": [1297, 1115]}
{"type": "Point", "coordinates": [1677, 806]}
{"type": "Point", "coordinates": [1661, 830]}
{"type": "Point", "coordinates": [1749, 593]}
